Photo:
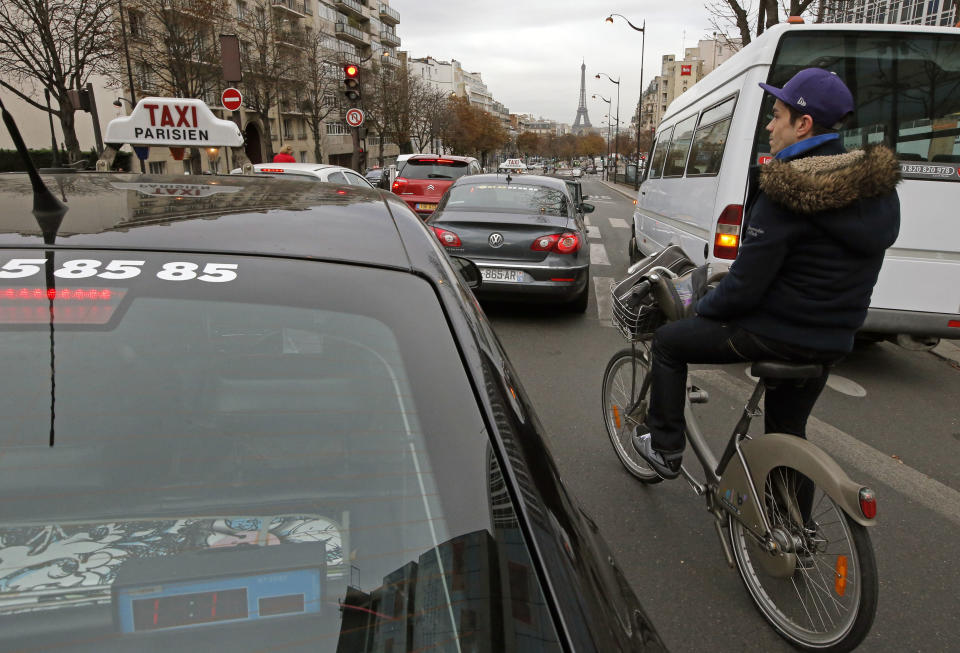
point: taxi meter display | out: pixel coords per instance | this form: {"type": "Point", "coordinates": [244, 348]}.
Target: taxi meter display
{"type": "Point", "coordinates": [173, 122]}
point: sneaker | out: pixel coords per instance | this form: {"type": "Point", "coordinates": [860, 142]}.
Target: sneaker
{"type": "Point", "coordinates": [667, 465]}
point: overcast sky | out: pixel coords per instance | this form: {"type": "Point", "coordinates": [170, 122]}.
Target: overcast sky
{"type": "Point", "coordinates": [529, 51]}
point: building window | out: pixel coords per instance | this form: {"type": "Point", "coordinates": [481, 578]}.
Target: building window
{"type": "Point", "coordinates": [135, 24]}
{"type": "Point", "coordinates": [336, 128]}
{"type": "Point", "coordinates": [241, 10]}
{"type": "Point", "coordinates": [157, 167]}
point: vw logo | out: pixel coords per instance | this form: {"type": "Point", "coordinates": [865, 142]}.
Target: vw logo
{"type": "Point", "coordinates": [431, 187]}
{"type": "Point", "coordinates": [495, 239]}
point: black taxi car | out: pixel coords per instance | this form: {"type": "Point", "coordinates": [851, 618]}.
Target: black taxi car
{"type": "Point", "coordinates": [261, 414]}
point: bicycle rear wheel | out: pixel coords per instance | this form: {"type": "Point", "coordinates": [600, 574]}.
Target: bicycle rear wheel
{"type": "Point", "coordinates": [829, 601]}
{"type": "Point", "coordinates": [620, 380]}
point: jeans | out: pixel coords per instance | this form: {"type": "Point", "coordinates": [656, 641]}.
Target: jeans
{"type": "Point", "coordinates": [787, 404]}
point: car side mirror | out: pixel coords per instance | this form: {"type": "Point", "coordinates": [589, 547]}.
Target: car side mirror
{"type": "Point", "coordinates": [467, 270]}
{"type": "Point", "coordinates": [587, 208]}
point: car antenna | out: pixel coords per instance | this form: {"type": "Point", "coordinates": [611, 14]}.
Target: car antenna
{"type": "Point", "coordinates": [49, 212]}
{"type": "Point", "coordinates": [509, 178]}
{"type": "Point", "coordinates": [47, 209]}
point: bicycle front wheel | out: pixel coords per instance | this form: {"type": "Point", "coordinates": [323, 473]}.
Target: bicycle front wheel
{"type": "Point", "coordinates": [829, 601]}
{"type": "Point", "coordinates": [621, 382]}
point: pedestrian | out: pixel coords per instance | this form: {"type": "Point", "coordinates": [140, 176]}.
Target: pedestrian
{"type": "Point", "coordinates": [817, 223]}
{"type": "Point", "coordinates": [285, 155]}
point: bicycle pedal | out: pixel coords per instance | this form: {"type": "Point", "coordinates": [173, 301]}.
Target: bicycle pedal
{"type": "Point", "coordinates": [698, 395]}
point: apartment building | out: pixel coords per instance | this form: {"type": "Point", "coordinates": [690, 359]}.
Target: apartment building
{"type": "Point", "coordinates": [903, 12]}
{"type": "Point", "coordinates": [349, 30]}
{"type": "Point", "coordinates": [676, 77]}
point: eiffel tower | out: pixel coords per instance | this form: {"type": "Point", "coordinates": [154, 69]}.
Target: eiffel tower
{"type": "Point", "coordinates": [582, 123]}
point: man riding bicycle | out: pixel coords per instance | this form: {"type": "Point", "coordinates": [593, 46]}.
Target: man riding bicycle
{"type": "Point", "coordinates": [816, 227]}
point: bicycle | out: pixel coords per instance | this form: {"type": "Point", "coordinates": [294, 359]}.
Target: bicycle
{"type": "Point", "coordinates": [795, 523]}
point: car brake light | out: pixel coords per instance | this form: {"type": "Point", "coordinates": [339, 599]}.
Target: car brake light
{"type": "Point", "coordinates": [565, 243]}
{"type": "Point", "coordinates": [444, 161]}
{"type": "Point", "coordinates": [70, 305]}
{"type": "Point", "coordinates": [447, 238]}
{"type": "Point", "coordinates": [727, 240]}
{"type": "Point", "coordinates": [868, 503]}
{"type": "Point", "coordinates": [272, 170]}
{"type": "Point", "coordinates": [399, 183]}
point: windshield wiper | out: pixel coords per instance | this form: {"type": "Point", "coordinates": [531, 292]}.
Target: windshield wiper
{"type": "Point", "coordinates": [436, 176]}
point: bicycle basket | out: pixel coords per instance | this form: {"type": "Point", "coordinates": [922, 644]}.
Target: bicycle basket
{"type": "Point", "coordinates": [636, 314]}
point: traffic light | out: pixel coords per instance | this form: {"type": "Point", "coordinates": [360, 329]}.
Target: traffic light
{"type": "Point", "coordinates": [351, 82]}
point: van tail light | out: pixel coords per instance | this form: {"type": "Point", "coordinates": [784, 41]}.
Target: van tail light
{"type": "Point", "coordinates": [447, 238]}
{"type": "Point", "coordinates": [868, 503]}
{"type": "Point", "coordinates": [727, 239]}
{"type": "Point", "coordinates": [565, 243]}
{"type": "Point", "coordinates": [399, 184]}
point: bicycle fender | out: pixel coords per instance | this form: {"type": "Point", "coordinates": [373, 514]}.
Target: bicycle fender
{"type": "Point", "coordinates": [772, 450]}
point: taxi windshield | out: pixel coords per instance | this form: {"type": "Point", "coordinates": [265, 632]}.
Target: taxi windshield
{"type": "Point", "coordinates": [194, 441]}
{"type": "Point", "coordinates": [515, 197]}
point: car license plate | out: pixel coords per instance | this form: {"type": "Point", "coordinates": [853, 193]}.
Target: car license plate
{"type": "Point", "coordinates": [500, 274]}
{"type": "Point", "coordinates": [425, 207]}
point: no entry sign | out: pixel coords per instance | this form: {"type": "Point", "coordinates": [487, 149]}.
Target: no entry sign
{"type": "Point", "coordinates": [354, 117]}
{"type": "Point", "coordinates": [231, 99]}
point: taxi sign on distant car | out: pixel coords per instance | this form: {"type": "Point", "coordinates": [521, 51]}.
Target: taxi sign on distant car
{"type": "Point", "coordinates": [173, 122]}
{"type": "Point", "coordinates": [513, 164]}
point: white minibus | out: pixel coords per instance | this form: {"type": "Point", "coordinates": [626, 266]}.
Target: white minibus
{"type": "Point", "coordinates": [905, 81]}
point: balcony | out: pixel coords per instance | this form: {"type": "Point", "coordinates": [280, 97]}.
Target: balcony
{"type": "Point", "coordinates": [389, 39]}
{"type": "Point", "coordinates": [294, 7]}
{"type": "Point", "coordinates": [352, 35]}
{"type": "Point", "coordinates": [292, 39]}
{"type": "Point", "coordinates": [389, 15]}
{"type": "Point", "coordinates": [350, 8]}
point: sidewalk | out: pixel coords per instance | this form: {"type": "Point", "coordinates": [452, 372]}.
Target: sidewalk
{"type": "Point", "coordinates": [624, 189]}
{"type": "Point", "coordinates": [948, 349]}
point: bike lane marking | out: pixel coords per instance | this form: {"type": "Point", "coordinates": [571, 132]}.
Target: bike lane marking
{"type": "Point", "coordinates": [912, 483]}
{"type": "Point", "coordinates": [598, 254]}
{"type": "Point", "coordinates": [601, 290]}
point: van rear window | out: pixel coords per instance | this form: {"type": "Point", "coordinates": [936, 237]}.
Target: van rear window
{"type": "Point", "coordinates": [907, 91]}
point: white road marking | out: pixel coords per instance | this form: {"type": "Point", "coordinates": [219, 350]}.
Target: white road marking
{"type": "Point", "coordinates": [913, 484]}
{"type": "Point", "coordinates": [593, 232]}
{"type": "Point", "coordinates": [619, 223]}
{"type": "Point", "coordinates": [841, 384]}
{"type": "Point", "coordinates": [601, 289]}
{"type": "Point", "coordinates": [598, 254]}
{"type": "Point", "coordinates": [586, 220]}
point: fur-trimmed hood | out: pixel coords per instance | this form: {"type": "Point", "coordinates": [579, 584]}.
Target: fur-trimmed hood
{"type": "Point", "coordinates": [821, 183]}
{"type": "Point", "coordinates": [849, 195]}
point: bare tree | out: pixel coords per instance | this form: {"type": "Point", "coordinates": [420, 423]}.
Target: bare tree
{"type": "Point", "coordinates": [749, 18]}
{"type": "Point", "coordinates": [427, 104]}
{"type": "Point", "coordinates": [321, 81]}
{"type": "Point", "coordinates": [56, 46]}
{"type": "Point", "coordinates": [270, 51]}
{"type": "Point", "coordinates": [177, 50]}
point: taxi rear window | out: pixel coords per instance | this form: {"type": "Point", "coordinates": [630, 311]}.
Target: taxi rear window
{"type": "Point", "coordinates": [193, 441]}
{"type": "Point", "coordinates": [434, 169]}
{"type": "Point", "coordinates": [508, 198]}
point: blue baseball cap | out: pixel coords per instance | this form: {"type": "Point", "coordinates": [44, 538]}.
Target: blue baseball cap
{"type": "Point", "coordinates": [817, 92]}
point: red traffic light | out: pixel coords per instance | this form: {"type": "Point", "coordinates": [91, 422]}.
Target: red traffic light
{"type": "Point", "coordinates": [351, 70]}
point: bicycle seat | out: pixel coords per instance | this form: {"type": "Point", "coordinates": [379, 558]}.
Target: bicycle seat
{"type": "Point", "coordinates": [781, 370]}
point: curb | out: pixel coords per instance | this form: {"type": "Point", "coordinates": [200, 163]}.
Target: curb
{"type": "Point", "coordinates": [629, 195]}
{"type": "Point", "coordinates": [947, 350]}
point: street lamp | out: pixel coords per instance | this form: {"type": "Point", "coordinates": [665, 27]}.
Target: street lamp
{"type": "Point", "coordinates": [616, 138]}
{"type": "Point", "coordinates": [643, 38]}
{"type": "Point", "coordinates": [606, 167]}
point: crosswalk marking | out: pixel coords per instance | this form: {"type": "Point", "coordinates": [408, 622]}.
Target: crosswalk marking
{"type": "Point", "coordinates": [586, 220]}
{"type": "Point", "coordinates": [598, 254]}
{"type": "Point", "coordinates": [593, 232]}
{"type": "Point", "coordinates": [619, 223]}
{"type": "Point", "coordinates": [601, 290]}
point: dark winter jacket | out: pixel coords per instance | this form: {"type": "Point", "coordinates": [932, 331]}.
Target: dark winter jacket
{"type": "Point", "coordinates": [813, 245]}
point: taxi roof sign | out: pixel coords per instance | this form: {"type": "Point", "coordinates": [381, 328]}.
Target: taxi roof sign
{"type": "Point", "coordinates": [173, 122]}
{"type": "Point", "coordinates": [514, 164]}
